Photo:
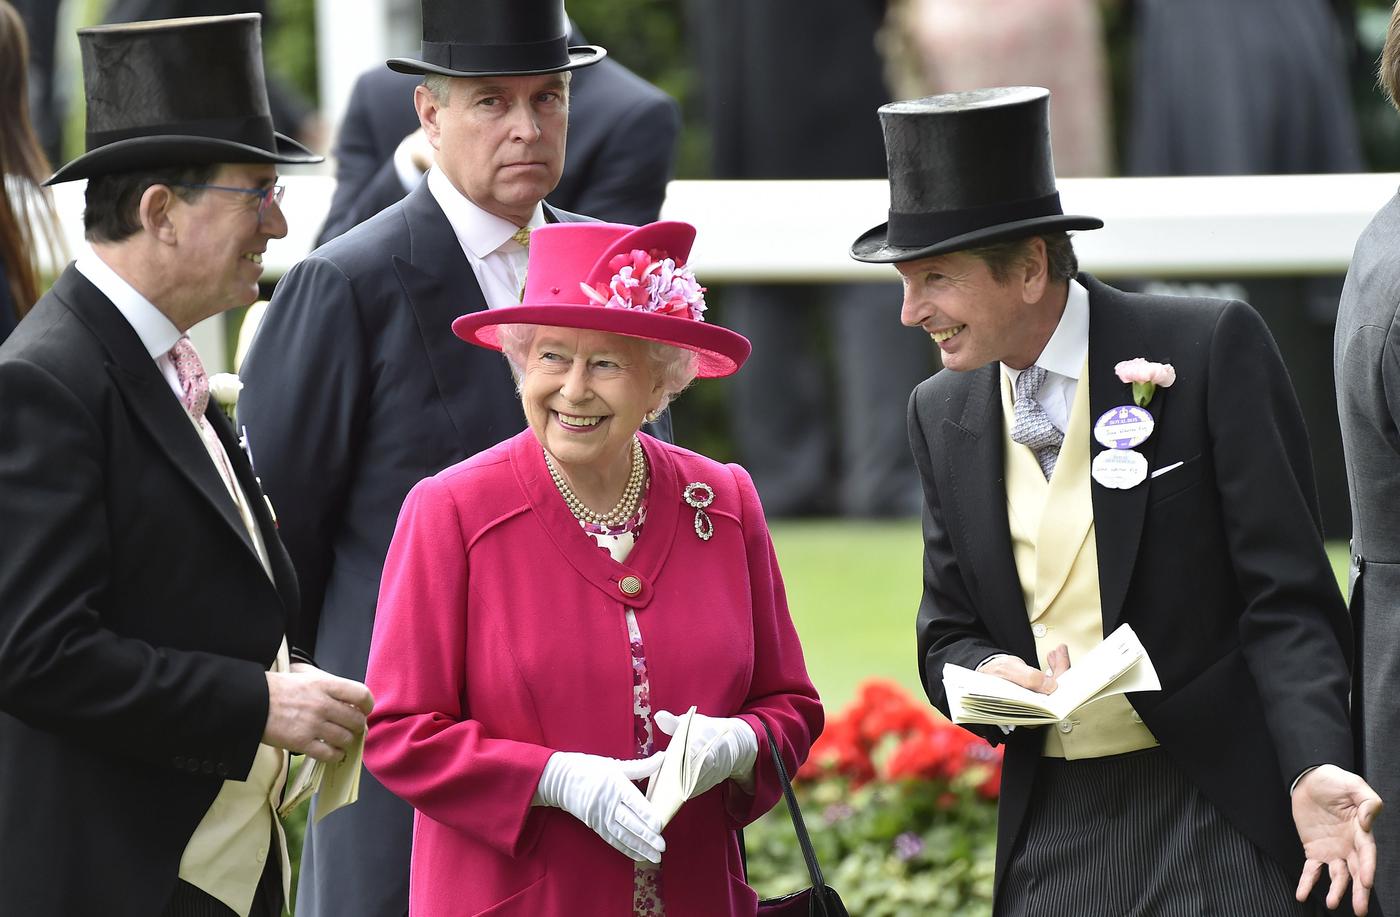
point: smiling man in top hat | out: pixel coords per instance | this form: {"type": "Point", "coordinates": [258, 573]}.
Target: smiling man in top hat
{"type": "Point", "coordinates": [148, 696]}
{"type": "Point", "coordinates": [357, 388]}
{"type": "Point", "coordinates": [1047, 525]}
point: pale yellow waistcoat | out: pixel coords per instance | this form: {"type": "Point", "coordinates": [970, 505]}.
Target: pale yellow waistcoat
{"type": "Point", "coordinates": [1052, 540]}
{"type": "Point", "coordinates": [228, 850]}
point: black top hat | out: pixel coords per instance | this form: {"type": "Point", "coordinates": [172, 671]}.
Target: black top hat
{"type": "Point", "coordinates": [967, 169]}
{"type": "Point", "coordinates": [175, 92]}
{"type": "Point", "coordinates": [496, 38]}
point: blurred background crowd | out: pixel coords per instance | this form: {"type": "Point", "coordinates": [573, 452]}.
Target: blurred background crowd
{"type": "Point", "coordinates": [788, 89]}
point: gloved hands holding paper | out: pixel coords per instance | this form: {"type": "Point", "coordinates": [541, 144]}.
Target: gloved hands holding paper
{"type": "Point", "coordinates": [704, 752]}
{"type": "Point", "coordinates": [598, 791]}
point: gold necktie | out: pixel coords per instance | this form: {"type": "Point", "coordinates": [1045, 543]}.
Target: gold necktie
{"type": "Point", "coordinates": [522, 237]}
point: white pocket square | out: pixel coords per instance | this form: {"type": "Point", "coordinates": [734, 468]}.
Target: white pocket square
{"type": "Point", "coordinates": [1163, 470]}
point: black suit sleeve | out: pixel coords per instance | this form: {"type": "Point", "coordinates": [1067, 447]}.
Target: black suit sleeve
{"type": "Point", "coordinates": [303, 407]}
{"type": "Point", "coordinates": [627, 179]}
{"type": "Point", "coordinates": [1293, 630]}
{"type": "Point", "coordinates": [948, 626]}
{"type": "Point", "coordinates": [62, 669]}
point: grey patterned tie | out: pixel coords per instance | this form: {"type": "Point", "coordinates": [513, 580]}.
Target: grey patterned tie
{"type": "Point", "coordinates": [1031, 426]}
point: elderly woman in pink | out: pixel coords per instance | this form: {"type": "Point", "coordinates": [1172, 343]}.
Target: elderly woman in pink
{"type": "Point", "coordinates": [550, 603]}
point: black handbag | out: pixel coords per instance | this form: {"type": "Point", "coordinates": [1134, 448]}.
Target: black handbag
{"type": "Point", "coordinates": [820, 900]}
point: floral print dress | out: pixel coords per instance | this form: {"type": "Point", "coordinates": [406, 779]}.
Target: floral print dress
{"type": "Point", "coordinates": [618, 542]}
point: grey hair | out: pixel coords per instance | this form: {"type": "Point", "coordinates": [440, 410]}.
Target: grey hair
{"type": "Point", "coordinates": [674, 368]}
{"type": "Point", "coordinates": [1004, 258]}
{"type": "Point", "coordinates": [440, 86]}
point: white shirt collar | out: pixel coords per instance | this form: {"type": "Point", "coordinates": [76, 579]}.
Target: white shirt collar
{"type": "Point", "coordinates": [479, 233]}
{"type": "Point", "coordinates": [157, 332]}
{"type": "Point", "coordinates": [1064, 353]}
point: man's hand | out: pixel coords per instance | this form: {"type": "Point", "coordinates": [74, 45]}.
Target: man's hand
{"type": "Point", "coordinates": [1334, 810]}
{"type": "Point", "coordinates": [310, 712]}
{"type": "Point", "coordinates": [1017, 672]}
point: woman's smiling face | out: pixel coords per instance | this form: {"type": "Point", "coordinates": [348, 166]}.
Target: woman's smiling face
{"type": "Point", "coordinates": [586, 393]}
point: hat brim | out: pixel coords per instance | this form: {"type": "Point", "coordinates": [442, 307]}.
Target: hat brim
{"type": "Point", "coordinates": [162, 150]}
{"type": "Point", "coordinates": [873, 246]}
{"type": "Point", "coordinates": [579, 56]}
{"type": "Point", "coordinates": [720, 350]}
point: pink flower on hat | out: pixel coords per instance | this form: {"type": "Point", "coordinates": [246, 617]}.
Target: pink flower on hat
{"type": "Point", "coordinates": [649, 282]}
{"type": "Point", "coordinates": [1145, 376]}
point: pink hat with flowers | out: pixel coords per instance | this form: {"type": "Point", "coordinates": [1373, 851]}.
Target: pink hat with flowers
{"type": "Point", "coordinates": [629, 280]}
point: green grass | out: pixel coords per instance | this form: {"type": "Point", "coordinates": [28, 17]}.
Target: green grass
{"type": "Point", "coordinates": [853, 589]}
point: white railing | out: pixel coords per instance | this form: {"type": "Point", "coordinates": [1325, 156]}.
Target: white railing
{"type": "Point", "coordinates": [800, 230]}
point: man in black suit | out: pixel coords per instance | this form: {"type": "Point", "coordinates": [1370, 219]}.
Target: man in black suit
{"type": "Point", "coordinates": [1366, 366]}
{"type": "Point", "coordinates": [148, 695]}
{"type": "Point", "coordinates": [1044, 530]}
{"type": "Point", "coordinates": [621, 152]}
{"type": "Point", "coordinates": [358, 389]}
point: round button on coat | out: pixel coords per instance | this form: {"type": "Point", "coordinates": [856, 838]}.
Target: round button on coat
{"type": "Point", "coordinates": [629, 585]}
{"type": "Point", "coordinates": [1038, 629]}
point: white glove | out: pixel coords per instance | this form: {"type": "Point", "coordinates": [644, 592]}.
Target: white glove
{"type": "Point", "coordinates": [598, 791]}
{"type": "Point", "coordinates": [725, 747]}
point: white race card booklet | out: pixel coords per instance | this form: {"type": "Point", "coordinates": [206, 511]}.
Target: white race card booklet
{"type": "Point", "coordinates": [672, 785]}
{"type": "Point", "coordinates": [1116, 666]}
{"type": "Point", "coordinates": [334, 785]}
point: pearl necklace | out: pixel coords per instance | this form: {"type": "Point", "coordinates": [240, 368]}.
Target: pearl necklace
{"type": "Point", "coordinates": [631, 494]}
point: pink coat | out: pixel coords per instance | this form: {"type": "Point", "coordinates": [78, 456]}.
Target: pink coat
{"type": "Point", "coordinates": [501, 638]}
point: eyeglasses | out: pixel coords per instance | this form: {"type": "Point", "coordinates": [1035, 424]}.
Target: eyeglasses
{"type": "Point", "coordinates": [268, 196]}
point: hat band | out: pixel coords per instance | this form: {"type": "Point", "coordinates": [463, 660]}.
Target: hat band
{"type": "Point", "coordinates": [915, 230]}
{"type": "Point", "coordinates": [535, 55]}
{"type": "Point", "coordinates": [255, 131]}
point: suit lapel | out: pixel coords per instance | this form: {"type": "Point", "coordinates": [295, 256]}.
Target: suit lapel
{"type": "Point", "coordinates": [439, 283]}
{"type": "Point", "coordinates": [149, 399]}
{"type": "Point", "coordinates": [1118, 514]}
{"type": "Point", "coordinates": [976, 504]}
{"type": "Point", "coordinates": [283, 574]}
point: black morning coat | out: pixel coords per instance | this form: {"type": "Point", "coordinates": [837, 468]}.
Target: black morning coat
{"type": "Point", "coordinates": [136, 621]}
{"type": "Point", "coordinates": [1217, 564]}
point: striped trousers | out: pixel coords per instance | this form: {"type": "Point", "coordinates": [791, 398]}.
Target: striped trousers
{"type": "Point", "coordinates": [1130, 836]}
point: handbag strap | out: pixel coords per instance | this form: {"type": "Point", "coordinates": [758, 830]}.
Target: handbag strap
{"type": "Point", "coordinates": [814, 869]}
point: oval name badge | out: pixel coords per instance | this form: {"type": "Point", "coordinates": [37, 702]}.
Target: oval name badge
{"type": "Point", "coordinates": [1120, 469]}
{"type": "Point", "coordinates": [1124, 427]}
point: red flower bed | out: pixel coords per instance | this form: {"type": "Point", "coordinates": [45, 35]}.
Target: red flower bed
{"type": "Point", "coordinates": [887, 735]}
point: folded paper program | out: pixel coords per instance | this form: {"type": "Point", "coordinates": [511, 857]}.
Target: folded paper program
{"type": "Point", "coordinates": [673, 783]}
{"type": "Point", "coordinates": [1118, 665]}
{"type": "Point", "coordinates": [334, 785]}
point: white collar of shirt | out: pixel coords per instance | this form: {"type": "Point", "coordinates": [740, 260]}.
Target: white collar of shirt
{"type": "Point", "coordinates": [497, 260]}
{"type": "Point", "coordinates": [480, 233]}
{"type": "Point", "coordinates": [157, 333]}
{"type": "Point", "coordinates": [1063, 357]}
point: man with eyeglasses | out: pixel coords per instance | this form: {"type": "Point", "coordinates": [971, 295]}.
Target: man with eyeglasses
{"type": "Point", "coordinates": [148, 693]}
